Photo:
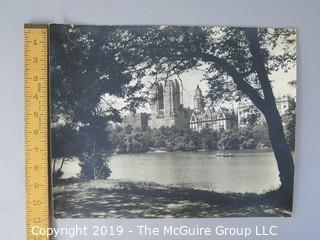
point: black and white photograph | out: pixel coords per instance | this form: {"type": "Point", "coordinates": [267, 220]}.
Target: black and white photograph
{"type": "Point", "coordinates": [167, 121]}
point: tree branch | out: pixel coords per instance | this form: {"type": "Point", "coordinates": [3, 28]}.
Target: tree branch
{"type": "Point", "coordinates": [241, 84]}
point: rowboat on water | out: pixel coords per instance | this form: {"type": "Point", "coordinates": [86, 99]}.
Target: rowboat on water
{"type": "Point", "coordinates": [224, 155]}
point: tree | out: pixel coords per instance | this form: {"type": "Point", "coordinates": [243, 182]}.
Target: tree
{"type": "Point", "coordinates": [238, 62]}
{"type": "Point", "coordinates": [86, 65]}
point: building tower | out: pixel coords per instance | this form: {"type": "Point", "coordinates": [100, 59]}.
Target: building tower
{"type": "Point", "coordinates": [171, 98]}
{"type": "Point", "coordinates": [198, 100]}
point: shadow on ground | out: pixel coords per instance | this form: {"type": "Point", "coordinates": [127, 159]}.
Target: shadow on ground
{"type": "Point", "coordinates": [114, 199]}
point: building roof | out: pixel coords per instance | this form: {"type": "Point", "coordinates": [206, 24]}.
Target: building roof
{"type": "Point", "coordinates": [225, 113]}
{"type": "Point", "coordinates": [211, 114]}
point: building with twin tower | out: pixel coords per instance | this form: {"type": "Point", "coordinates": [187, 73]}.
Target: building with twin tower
{"type": "Point", "coordinates": [167, 110]}
{"type": "Point", "coordinates": [166, 103]}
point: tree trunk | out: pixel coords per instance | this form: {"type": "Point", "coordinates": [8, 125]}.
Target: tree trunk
{"type": "Point", "coordinates": [269, 108]}
{"type": "Point", "coordinates": [55, 173]}
{"type": "Point", "coordinates": [282, 154]}
{"type": "Point", "coordinates": [62, 162]}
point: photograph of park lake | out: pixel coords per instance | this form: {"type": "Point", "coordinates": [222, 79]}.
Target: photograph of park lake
{"type": "Point", "coordinates": [172, 121]}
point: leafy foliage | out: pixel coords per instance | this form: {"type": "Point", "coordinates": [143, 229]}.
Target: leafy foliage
{"type": "Point", "coordinates": [181, 139]}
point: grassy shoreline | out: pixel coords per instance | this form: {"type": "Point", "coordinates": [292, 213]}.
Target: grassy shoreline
{"type": "Point", "coordinates": [74, 198]}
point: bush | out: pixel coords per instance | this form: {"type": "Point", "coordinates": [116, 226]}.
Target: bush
{"type": "Point", "coordinates": [248, 139]}
{"type": "Point", "coordinates": [94, 167]}
{"type": "Point", "coordinates": [229, 140]}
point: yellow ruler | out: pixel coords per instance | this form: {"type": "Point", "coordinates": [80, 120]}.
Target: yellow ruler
{"type": "Point", "coordinates": [36, 129]}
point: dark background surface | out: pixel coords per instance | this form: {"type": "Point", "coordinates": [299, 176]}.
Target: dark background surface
{"type": "Point", "coordinates": [275, 13]}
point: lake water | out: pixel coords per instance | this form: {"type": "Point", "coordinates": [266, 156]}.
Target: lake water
{"type": "Point", "coordinates": [244, 172]}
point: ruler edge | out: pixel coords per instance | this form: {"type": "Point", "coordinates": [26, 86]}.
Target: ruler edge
{"type": "Point", "coordinates": [45, 27]}
{"type": "Point", "coordinates": [36, 25]}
